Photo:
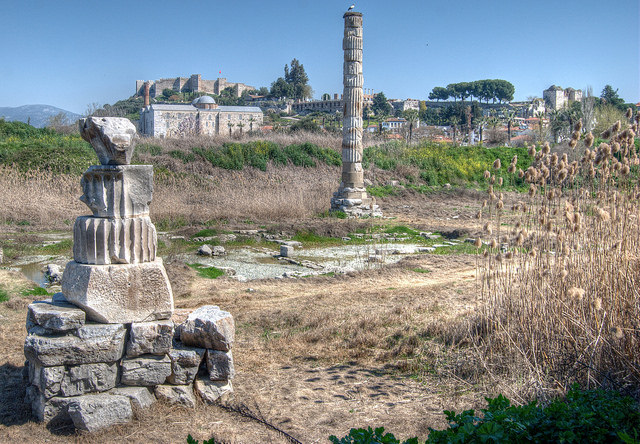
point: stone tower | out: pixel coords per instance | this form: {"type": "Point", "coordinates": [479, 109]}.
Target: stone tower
{"type": "Point", "coordinates": [352, 196]}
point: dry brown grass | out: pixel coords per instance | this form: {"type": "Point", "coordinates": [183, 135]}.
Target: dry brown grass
{"type": "Point", "coordinates": [43, 200]}
{"type": "Point", "coordinates": [273, 195]}
{"type": "Point", "coordinates": [562, 301]}
{"type": "Point", "coordinates": [314, 356]}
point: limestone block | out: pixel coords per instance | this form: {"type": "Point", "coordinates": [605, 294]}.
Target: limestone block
{"type": "Point", "coordinates": [111, 137]}
{"type": "Point", "coordinates": [205, 250]}
{"type": "Point", "coordinates": [140, 397]}
{"type": "Point", "coordinates": [352, 68]}
{"type": "Point", "coordinates": [353, 20]}
{"type": "Point", "coordinates": [98, 240]}
{"type": "Point", "coordinates": [145, 370]}
{"type": "Point", "coordinates": [352, 42]}
{"type": "Point", "coordinates": [73, 380]}
{"type": "Point", "coordinates": [52, 411]}
{"type": "Point", "coordinates": [185, 362]}
{"type": "Point", "coordinates": [212, 391]}
{"type": "Point", "coordinates": [353, 55]}
{"type": "Point", "coordinates": [55, 316]}
{"type": "Point", "coordinates": [220, 365]}
{"type": "Point", "coordinates": [97, 412]}
{"type": "Point", "coordinates": [118, 190]}
{"type": "Point", "coordinates": [119, 293]}
{"type": "Point", "coordinates": [286, 250]}
{"type": "Point", "coordinates": [88, 344]}
{"type": "Point", "coordinates": [208, 327]}
{"type": "Point", "coordinates": [176, 394]}
{"type": "Point", "coordinates": [150, 337]}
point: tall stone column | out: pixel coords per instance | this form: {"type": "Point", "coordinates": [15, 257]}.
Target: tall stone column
{"type": "Point", "coordinates": [351, 196]}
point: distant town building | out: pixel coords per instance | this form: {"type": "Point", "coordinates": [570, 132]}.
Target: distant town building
{"type": "Point", "coordinates": [202, 117]}
{"type": "Point", "coordinates": [310, 106]}
{"type": "Point", "coordinates": [328, 105]}
{"type": "Point", "coordinates": [557, 98]}
{"type": "Point", "coordinates": [405, 105]}
{"type": "Point", "coordinates": [195, 83]}
{"type": "Point", "coordinates": [395, 124]}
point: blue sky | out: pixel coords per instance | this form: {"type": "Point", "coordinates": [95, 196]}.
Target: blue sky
{"type": "Point", "coordinates": [71, 53]}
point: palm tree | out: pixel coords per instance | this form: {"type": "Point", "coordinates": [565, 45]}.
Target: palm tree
{"type": "Point", "coordinates": [454, 120]}
{"type": "Point", "coordinates": [230, 125]}
{"type": "Point", "coordinates": [251, 120]}
{"type": "Point", "coordinates": [510, 118]}
{"type": "Point", "coordinates": [412, 116]}
{"type": "Point", "coordinates": [240, 125]}
{"type": "Point", "coordinates": [540, 116]}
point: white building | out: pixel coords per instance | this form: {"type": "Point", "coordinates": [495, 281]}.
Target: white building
{"type": "Point", "coordinates": [202, 117]}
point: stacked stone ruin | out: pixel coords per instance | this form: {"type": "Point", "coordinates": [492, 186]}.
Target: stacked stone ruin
{"type": "Point", "coordinates": [352, 197]}
{"type": "Point", "coordinates": [107, 344]}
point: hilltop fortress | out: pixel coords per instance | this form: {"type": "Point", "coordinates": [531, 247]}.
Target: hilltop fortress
{"type": "Point", "coordinates": [195, 83]}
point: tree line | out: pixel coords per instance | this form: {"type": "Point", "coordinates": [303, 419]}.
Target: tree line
{"type": "Point", "coordinates": [490, 89]}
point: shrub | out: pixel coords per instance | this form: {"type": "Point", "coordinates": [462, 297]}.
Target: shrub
{"type": "Point", "coordinates": [583, 416]}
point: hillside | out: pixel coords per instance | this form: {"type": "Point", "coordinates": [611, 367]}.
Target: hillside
{"type": "Point", "coordinates": [36, 115]}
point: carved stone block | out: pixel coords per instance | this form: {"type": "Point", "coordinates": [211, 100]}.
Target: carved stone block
{"type": "Point", "coordinates": [102, 241]}
{"type": "Point", "coordinates": [118, 190]}
{"type": "Point", "coordinates": [119, 293]}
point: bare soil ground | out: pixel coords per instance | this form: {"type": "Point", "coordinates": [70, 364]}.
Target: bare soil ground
{"type": "Point", "coordinates": [314, 356]}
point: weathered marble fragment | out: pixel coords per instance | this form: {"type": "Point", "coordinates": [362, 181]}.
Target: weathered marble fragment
{"type": "Point", "coordinates": [176, 394]}
{"type": "Point", "coordinates": [111, 137]}
{"type": "Point", "coordinates": [120, 293]}
{"type": "Point", "coordinates": [146, 370]}
{"type": "Point", "coordinates": [89, 344]}
{"type": "Point", "coordinates": [92, 413]}
{"type": "Point", "coordinates": [212, 391]}
{"type": "Point", "coordinates": [73, 380]}
{"type": "Point", "coordinates": [100, 241]}
{"type": "Point", "coordinates": [118, 190]}
{"type": "Point", "coordinates": [140, 397]}
{"type": "Point", "coordinates": [208, 327]}
{"type": "Point", "coordinates": [150, 338]}
{"type": "Point", "coordinates": [220, 365]}
{"type": "Point", "coordinates": [185, 362]}
{"type": "Point", "coordinates": [55, 316]}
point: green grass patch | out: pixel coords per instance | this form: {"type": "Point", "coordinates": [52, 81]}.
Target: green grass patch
{"type": "Point", "coordinates": [207, 232]}
{"type": "Point", "coordinates": [382, 191]}
{"type": "Point", "coordinates": [402, 229]}
{"type": "Point", "coordinates": [422, 270]}
{"type": "Point", "coordinates": [59, 248]}
{"type": "Point", "coordinates": [36, 291]}
{"type": "Point", "coordinates": [207, 272]}
{"type": "Point", "coordinates": [4, 296]}
{"type": "Point", "coordinates": [461, 248]}
{"type": "Point", "coordinates": [441, 163]}
{"type": "Point", "coordinates": [309, 237]}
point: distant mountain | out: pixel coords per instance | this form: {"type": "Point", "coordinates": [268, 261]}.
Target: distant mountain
{"type": "Point", "coordinates": [36, 115]}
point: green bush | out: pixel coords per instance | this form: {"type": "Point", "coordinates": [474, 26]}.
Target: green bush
{"type": "Point", "coordinates": [597, 416]}
{"type": "Point", "coordinates": [235, 156]}
{"type": "Point", "coordinates": [30, 148]}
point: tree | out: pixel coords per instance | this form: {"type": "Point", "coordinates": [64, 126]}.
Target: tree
{"type": "Point", "coordinates": [412, 117]}
{"type": "Point", "coordinates": [380, 105]}
{"type": "Point", "coordinates": [439, 93]}
{"type": "Point", "coordinates": [610, 96]}
{"type": "Point", "coordinates": [326, 96]}
{"type": "Point", "coordinates": [280, 89]}
{"type": "Point", "coordinates": [510, 117]}
{"type": "Point", "coordinates": [297, 77]}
